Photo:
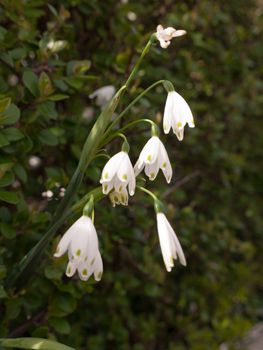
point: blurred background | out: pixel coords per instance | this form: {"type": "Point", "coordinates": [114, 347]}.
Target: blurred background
{"type": "Point", "coordinates": [53, 55]}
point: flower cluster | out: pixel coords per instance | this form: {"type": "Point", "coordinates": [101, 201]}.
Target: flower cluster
{"type": "Point", "coordinates": [118, 180]}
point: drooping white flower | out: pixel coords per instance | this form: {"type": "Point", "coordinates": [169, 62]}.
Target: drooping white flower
{"type": "Point", "coordinates": [118, 174]}
{"type": "Point", "coordinates": [154, 157]}
{"type": "Point", "coordinates": [103, 95]}
{"type": "Point", "coordinates": [119, 197]}
{"type": "Point", "coordinates": [170, 245]}
{"type": "Point", "coordinates": [165, 35]}
{"type": "Point", "coordinates": [176, 114]}
{"type": "Point", "coordinates": [81, 243]}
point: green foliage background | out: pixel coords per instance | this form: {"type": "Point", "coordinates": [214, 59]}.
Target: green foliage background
{"type": "Point", "coordinates": [213, 201]}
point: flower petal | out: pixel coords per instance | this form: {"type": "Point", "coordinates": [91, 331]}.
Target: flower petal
{"type": "Point", "coordinates": [164, 241]}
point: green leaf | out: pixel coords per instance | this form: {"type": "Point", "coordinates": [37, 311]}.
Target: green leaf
{"type": "Point", "coordinates": [4, 103]}
{"type": "Point", "coordinates": [58, 97]}
{"type": "Point", "coordinates": [2, 292]}
{"type": "Point", "coordinates": [45, 85]}
{"type": "Point", "coordinates": [3, 140]}
{"type": "Point", "coordinates": [47, 137]}
{"type": "Point", "coordinates": [4, 166]}
{"type": "Point", "coordinates": [13, 134]}
{"type": "Point", "coordinates": [7, 179]}
{"type": "Point", "coordinates": [20, 172]}
{"type": "Point", "coordinates": [31, 82]}
{"type": "Point", "coordinates": [78, 67]}
{"type": "Point", "coordinates": [47, 109]}
{"type": "Point", "coordinates": [9, 197]}
{"type": "Point", "coordinates": [11, 115]}
{"type": "Point", "coordinates": [34, 343]}
{"type": "Point", "coordinates": [3, 32]}
{"type": "Point", "coordinates": [60, 325]}
{"type": "Point", "coordinates": [7, 231]}
{"type": "Point", "coordinates": [7, 58]}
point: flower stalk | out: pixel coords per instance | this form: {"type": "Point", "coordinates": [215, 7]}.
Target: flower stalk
{"type": "Point", "coordinates": [24, 269]}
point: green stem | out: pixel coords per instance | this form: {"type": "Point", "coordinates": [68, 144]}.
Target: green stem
{"type": "Point", "coordinates": [144, 52]}
{"type": "Point", "coordinates": [158, 205]}
{"type": "Point", "coordinates": [151, 194]}
{"type": "Point", "coordinates": [127, 126]}
{"type": "Point", "coordinates": [26, 266]}
{"type": "Point", "coordinates": [131, 105]}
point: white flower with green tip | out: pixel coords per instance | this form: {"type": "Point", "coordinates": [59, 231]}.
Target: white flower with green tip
{"type": "Point", "coordinates": [177, 114]}
{"type": "Point", "coordinates": [170, 245]}
{"type": "Point", "coordinates": [154, 157]}
{"type": "Point", "coordinates": [118, 174]}
{"type": "Point", "coordinates": [81, 243]}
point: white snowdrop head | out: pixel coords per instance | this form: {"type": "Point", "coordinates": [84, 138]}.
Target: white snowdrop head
{"type": "Point", "coordinates": [152, 158]}
{"type": "Point", "coordinates": [118, 174]}
{"type": "Point", "coordinates": [177, 114]}
{"type": "Point", "coordinates": [170, 245]}
{"type": "Point", "coordinates": [81, 243]}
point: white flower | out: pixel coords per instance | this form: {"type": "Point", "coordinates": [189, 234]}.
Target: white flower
{"type": "Point", "coordinates": [118, 174]}
{"type": "Point", "coordinates": [176, 114]}
{"type": "Point", "coordinates": [81, 242]}
{"type": "Point", "coordinates": [170, 245]}
{"type": "Point", "coordinates": [103, 95]}
{"type": "Point", "coordinates": [119, 197]}
{"type": "Point", "coordinates": [165, 35]}
{"type": "Point", "coordinates": [154, 157]}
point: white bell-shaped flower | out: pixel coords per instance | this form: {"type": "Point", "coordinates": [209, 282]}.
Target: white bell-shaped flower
{"type": "Point", "coordinates": [81, 243]}
{"type": "Point", "coordinates": [118, 174]}
{"type": "Point", "coordinates": [166, 35]}
{"type": "Point", "coordinates": [103, 95]}
{"type": "Point", "coordinates": [170, 245]}
{"type": "Point", "coordinates": [119, 197]}
{"type": "Point", "coordinates": [154, 157]}
{"type": "Point", "coordinates": [176, 114]}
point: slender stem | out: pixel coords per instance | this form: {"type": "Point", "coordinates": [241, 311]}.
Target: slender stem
{"type": "Point", "coordinates": [144, 52]}
{"type": "Point", "coordinates": [127, 126]}
{"type": "Point", "coordinates": [97, 195]}
{"type": "Point", "coordinates": [151, 194]}
{"type": "Point", "coordinates": [131, 105]}
{"type": "Point", "coordinates": [158, 205]}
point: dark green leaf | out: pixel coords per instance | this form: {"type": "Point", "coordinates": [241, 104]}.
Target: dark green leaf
{"type": "Point", "coordinates": [45, 85]}
{"type": "Point", "coordinates": [20, 172]}
{"type": "Point", "coordinates": [7, 231]}
{"type": "Point", "coordinates": [60, 325]}
{"type": "Point", "coordinates": [3, 140]}
{"type": "Point", "coordinates": [7, 179]}
{"type": "Point", "coordinates": [9, 197]}
{"type": "Point", "coordinates": [13, 134]}
{"type": "Point", "coordinates": [31, 82]}
{"type": "Point", "coordinates": [47, 137]}
{"type": "Point", "coordinates": [4, 103]}
{"type": "Point", "coordinates": [11, 115]}
{"type": "Point", "coordinates": [58, 97]}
